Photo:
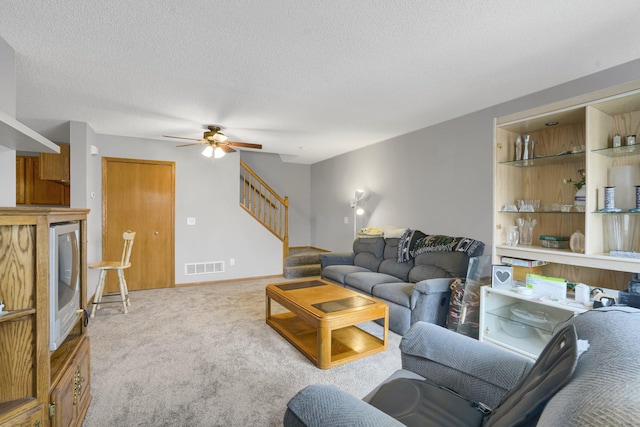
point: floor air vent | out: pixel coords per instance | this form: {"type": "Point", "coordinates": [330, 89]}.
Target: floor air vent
{"type": "Point", "coordinates": [204, 268]}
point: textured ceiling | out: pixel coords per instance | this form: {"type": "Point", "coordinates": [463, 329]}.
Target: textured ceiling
{"type": "Point", "coordinates": [307, 79]}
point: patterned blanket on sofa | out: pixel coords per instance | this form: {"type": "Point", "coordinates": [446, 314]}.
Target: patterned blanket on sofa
{"type": "Point", "coordinates": [414, 242]}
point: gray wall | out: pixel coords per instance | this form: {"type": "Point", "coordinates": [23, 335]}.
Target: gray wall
{"type": "Point", "coordinates": [437, 179]}
{"type": "Point", "coordinates": [291, 180]}
{"type": "Point", "coordinates": [83, 186]}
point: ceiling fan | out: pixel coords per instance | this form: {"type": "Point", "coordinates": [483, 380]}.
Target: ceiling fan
{"type": "Point", "coordinates": [217, 143]}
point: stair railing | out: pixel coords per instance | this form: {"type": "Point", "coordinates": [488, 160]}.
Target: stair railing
{"type": "Point", "coordinates": [265, 205]}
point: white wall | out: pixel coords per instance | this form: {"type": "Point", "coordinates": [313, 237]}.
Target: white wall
{"type": "Point", "coordinates": [437, 179]}
{"type": "Point", "coordinates": [291, 180]}
{"type": "Point", "coordinates": [207, 190]}
{"type": "Point", "coordinates": [8, 106]}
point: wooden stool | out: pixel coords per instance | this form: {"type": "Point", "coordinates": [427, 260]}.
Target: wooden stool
{"type": "Point", "coordinates": [119, 267]}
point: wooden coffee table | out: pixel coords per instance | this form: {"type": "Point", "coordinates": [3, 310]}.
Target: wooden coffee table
{"type": "Point", "coordinates": [321, 318]}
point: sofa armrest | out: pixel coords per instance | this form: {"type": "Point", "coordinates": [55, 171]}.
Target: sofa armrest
{"type": "Point", "coordinates": [430, 301]}
{"type": "Point", "coordinates": [336, 258]}
{"type": "Point", "coordinates": [476, 370]}
{"type": "Point", "coordinates": [430, 286]}
{"type": "Point", "coordinates": [326, 405]}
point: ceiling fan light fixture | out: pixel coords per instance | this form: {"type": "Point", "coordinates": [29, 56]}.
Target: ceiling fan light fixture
{"type": "Point", "coordinates": [218, 152]}
{"type": "Point", "coordinates": [220, 137]}
{"type": "Point", "coordinates": [208, 151]}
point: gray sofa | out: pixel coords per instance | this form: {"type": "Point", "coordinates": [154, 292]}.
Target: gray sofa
{"type": "Point", "coordinates": [373, 268]}
{"type": "Point", "coordinates": [603, 390]}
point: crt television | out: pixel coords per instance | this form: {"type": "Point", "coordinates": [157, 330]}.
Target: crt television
{"type": "Point", "coordinates": [64, 281]}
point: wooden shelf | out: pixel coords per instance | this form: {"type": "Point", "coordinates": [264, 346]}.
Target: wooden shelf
{"type": "Point", "coordinates": [583, 135]}
{"type": "Point", "coordinates": [346, 343]}
{"type": "Point", "coordinates": [17, 315]}
{"type": "Point", "coordinates": [565, 256]}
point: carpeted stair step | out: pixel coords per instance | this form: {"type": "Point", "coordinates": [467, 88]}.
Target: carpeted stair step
{"type": "Point", "coordinates": [302, 259]}
{"type": "Point", "coordinates": [299, 271]}
{"type": "Point", "coordinates": [302, 262]}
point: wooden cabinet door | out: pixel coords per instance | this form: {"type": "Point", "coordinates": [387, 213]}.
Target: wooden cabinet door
{"type": "Point", "coordinates": [21, 190]}
{"type": "Point", "coordinates": [62, 398]}
{"type": "Point", "coordinates": [72, 395]}
{"type": "Point", "coordinates": [31, 190]}
{"type": "Point", "coordinates": [56, 167]}
{"type": "Point", "coordinates": [83, 380]}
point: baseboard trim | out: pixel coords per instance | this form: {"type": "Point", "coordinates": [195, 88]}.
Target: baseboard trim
{"type": "Point", "coordinates": [220, 282]}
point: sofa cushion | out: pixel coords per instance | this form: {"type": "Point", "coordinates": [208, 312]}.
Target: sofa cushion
{"type": "Point", "coordinates": [391, 248]}
{"type": "Point", "coordinates": [393, 268]}
{"type": "Point", "coordinates": [399, 293]}
{"type": "Point", "coordinates": [366, 281]}
{"type": "Point", "coordinates": [431, 265]}
{"type": "Point", "coordinates": [369, 252]}
{"type": "Point", "coordinates": [337, 273]}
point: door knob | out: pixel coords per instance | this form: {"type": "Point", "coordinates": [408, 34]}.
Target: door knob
{"type": "Point", "coordinates": [155, 232]}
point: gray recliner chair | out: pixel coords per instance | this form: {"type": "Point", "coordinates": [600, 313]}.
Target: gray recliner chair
{"type": "Point", "coordinates": [604, 389]}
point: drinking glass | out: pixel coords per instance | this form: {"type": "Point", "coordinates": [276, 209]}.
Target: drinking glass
{"type": "Point", "coordinates": [512, 235]}
{"type": "Point", "coordinates": [526, 225]}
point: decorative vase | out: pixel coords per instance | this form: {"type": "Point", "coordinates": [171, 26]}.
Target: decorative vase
{"type": "Point", "coordinates": [576, 243]}
{"type": "Point", "coordinates": [580, 198]}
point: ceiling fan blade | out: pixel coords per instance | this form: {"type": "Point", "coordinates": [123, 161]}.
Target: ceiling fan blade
{"type": "Point", "coordinates": [245, 145]}
{"type": "Point", "coordinates": [189, 145]}
{"type": "Point", "coordinates": [182, 137]}
{"type": "Point", "coordinates": [227, 149]}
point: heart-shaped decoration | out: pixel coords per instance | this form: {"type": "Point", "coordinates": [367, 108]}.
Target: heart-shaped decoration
{"type": "Point", "coordinates": [503, 276]}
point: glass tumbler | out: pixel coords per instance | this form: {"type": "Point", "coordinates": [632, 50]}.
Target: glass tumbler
{"type": "Point", "coordinates": [512, 235]}
{"type": "Point", "coordinates": [526, 225]}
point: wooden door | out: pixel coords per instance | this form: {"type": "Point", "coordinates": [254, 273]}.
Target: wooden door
{"type": "Point", "coordinates": [139, 195]}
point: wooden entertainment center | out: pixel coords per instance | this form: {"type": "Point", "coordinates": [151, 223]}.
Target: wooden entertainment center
{"type": "Point", "coordinates": [39, 387]}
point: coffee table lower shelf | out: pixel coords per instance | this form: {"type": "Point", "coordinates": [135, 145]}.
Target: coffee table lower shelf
{"type": "Point", "coordinates": [347, 343]}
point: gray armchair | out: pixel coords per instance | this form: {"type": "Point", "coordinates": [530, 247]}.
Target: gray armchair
{"type": "Point", "coordinates": [604, 389]}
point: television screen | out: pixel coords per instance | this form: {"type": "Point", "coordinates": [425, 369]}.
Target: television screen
{"type": "Point", "coordinates": [67, 268]}
{"type": "Point", "coordinates": [64, 283]}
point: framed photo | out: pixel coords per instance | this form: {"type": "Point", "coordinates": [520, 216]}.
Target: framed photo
{"type": "Point", "coordinates": [502, 277]}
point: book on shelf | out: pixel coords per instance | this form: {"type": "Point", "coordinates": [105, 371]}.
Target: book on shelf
{"type": "Point", "coordinates": [517, 262]}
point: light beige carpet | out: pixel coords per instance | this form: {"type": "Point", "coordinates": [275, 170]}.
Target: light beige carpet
{"type": "Point", "coordinates": [204, 356]}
